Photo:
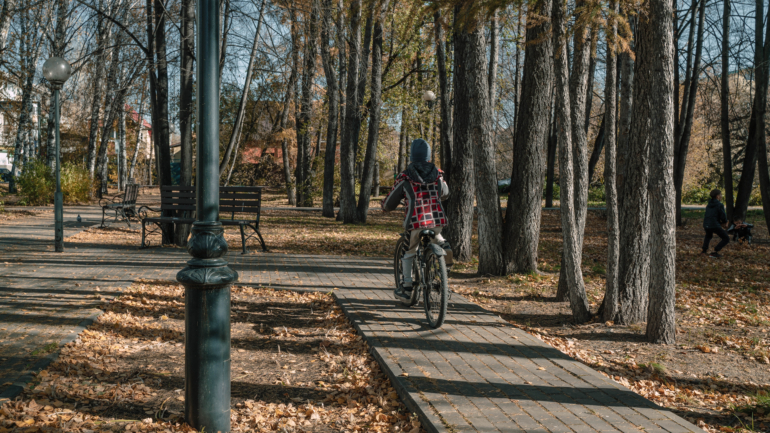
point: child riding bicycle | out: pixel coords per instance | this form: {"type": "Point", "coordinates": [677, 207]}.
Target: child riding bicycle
{"type": "Point", "coordinates": [422, 185]}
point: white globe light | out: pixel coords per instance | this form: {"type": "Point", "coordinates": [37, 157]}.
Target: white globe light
{"type": "Point", "coordinates": [428, 96]}
{"type": "Point", "coordinates": [56, 70]}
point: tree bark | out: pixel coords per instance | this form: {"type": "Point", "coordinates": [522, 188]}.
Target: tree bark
{"type": "Point", "coordinates": [655, 87]}
{"type": "Point", "coordinates": [761, 68]}
{"type": "Point", "coordinates": [598, 146]}
{"type": "Point", "coordinates": [494, 54]}
{"type": "Point", "coordinates": [402, 144]}
{"type": "Point", "coordinates": [473, 119]}
{"type": "Point", "coordinates": [551, 159]}
{"type": "Point", "coordinates": [304, 197]}
{"type": "Point", "coordinates": [235, 135]}
{"type": "Point", "coordinates": [590, 87]}
{"type": "Point", "coordinates": [633, 203]}
{"type": "Point", "coordinates": [6, 15]}
{"type": "Point", "coordinates": [624, 121]}
{"type": "Point", "coordinates": [682, 143]}
{"type": "Point", "coordinates": [370, 159]}
{"type": "Point", "coordinates": [724, 95]}
{"type": "Point", "coordinates": [96, 84]}
{"type": "Point", "coordinates": [522, 221]}
{"type": "Point", "coordinates": [350, 131]}
{"type": "Point", "coordinates": [462, 183]}
{"type": "Point", "coordinates": [445, 131]}
{"type": "Point", "coordinates": [291, 191]}
{"type": "Point", "coordinates": [610, 304]}
{"type": "Point", "coordinates": [139, 125]}
{"type": "Point", "coordinates": [111, 108]}
{"type": "Point", "coordinates": [225, 9]}
{"type": "Point", "coordinates": [332, 91]}
{"type": "Point", "coordinates": [569, 221]}
{"type": "Point", "coordinates": [186, 107]}
{"type": "Point", "coordinates": [58, 46]}
{"type": "Point", "coordinates": [121, 152]}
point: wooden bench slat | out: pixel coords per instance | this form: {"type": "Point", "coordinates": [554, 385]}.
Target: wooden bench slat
{"type": "Point", "coordinates": [229, 195]}
{"type": "Point", "coordinates": [241, 188]}
{"type": "Point", "coordinates": [238, 209]}
{"type": "Point", "coordinates": [174, 200]}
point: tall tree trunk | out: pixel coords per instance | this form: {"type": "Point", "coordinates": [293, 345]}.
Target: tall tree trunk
{"type": "Point", "coordinates": [304, 197]}
{"type": "Point", "coordinates": [551, 157]}
{"type": "Point", "coordinates": [610, 304]}
{"type": "Point", "coordinates": [597, 150]}
{"type": "Point", "coordinates": [96, 84]}
{"type": "Point", "coordinates": [479, 99]}
{"type": "Point", "coordinates": [633, 203]}
{"type": "Point", "coordinates": [363, 68]}
{"type": "Point", "coordinates": [461, 184]}
{"type": "Point", "coordinates": [58, 46]}
{"type": "Point", "coordinates": [291, 190]}
{"type": "Point", "coordinates": [139, 125]}
{"type": "Point", "coordinates": [445, 134]}
{"type": "Point", "coordinates": [724, 95]}
{"type": "Point", "coordinates": [517, 78]}
{"type": "Point", "coordinates": [764, 178]}
{"type": "Point", "coordinates": [332, 91]}
{"type": "Point", "coordinates": [121, 152]}
{"type": "Point", "coordinates": [494, 54]}
{"type": "Point", "coordinates": [224, 21]}
{"type": "Point", "coordinates": [370, 159]}
{"type": "Point", "coordinates": [625, 110]}
{"type": "Point", "coordinates": [590, 86]}
{"type": "Point", "coordinates": [111, 108]}
{"type": "Point", "coordinates": [164, 154]}
{"type": "Point", "coordinates": [402, 143]}
{"type": "Point", "coordinates": [761, 68]}
{"type": "Point", "coordinates": [522, 221]}
{"type": "Point", "coordinates": [376, 181]}
{"type": "Point", "coordinates": [6, 16]}
{"type": "Point", "coordinates": [682, 143]}
{"type": "Point", "coordinates": [186, 107]}
{"type": "Point", "coordinates": [235, 135]}
{"type": "Point", "coordinates": [352, 123]}
{"type": "Point", "coordinates": [569, 221]}
{"type": "Point", "coordinates": [655, 124]}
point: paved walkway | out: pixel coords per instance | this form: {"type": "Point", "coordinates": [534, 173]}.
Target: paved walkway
{"type": "Point", "coordinates": [475, 374]}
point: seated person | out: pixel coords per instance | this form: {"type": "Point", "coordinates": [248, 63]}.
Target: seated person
{"type": "Point", "coordinates": [741, 231]}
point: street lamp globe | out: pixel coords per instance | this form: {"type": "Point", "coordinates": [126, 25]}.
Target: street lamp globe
{"type": "Point", "coordinates": [56, 70]}
{"type": "Point", "coordinates": [428, 96]}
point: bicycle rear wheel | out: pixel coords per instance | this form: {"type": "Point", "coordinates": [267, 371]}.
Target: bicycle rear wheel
{"type": "Point", "coordinates": [436, 290]}
{"type": "Point", "coordinates": [398, 271]}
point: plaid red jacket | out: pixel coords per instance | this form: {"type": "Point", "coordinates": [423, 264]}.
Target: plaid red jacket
{"type": "Point", "coordinates": [423, 201]}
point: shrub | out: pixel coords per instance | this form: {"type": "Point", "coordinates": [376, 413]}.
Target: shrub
{"type": "Point", "coordinates": [37, 184]}
{"type": "Point", "coordinates": [76, 184]}
{"type": "Point", "coordinates": [596, 194]}
{"type": "Point", "coordinates": [697, 194]}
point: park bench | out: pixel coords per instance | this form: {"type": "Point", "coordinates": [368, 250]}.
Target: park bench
{"type": "Point", "coordinates": [124, 205]}
{"type": "Point", "coordinates": [241, 200]}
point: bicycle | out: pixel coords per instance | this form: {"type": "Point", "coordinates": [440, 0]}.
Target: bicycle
{"type": "Point", "coordinates": [429, 276]}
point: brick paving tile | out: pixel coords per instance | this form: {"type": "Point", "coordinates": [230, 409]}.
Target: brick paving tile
{"type": "Point", "coordinates": [475, 374]}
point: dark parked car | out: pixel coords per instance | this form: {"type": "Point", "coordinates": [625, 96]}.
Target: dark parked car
{"type": "Point", "coordinates": [5, 175]}
{"type": "Point", "coordinates": [503, 186]}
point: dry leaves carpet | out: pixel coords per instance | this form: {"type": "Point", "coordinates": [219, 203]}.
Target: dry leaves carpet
{"type": "Point", "coordinates": [718, 373]}
{"type": "Point", "coordinates": [297, 366]}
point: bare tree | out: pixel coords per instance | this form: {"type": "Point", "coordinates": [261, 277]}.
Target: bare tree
{"type": "Point", "coordinates": [370, 159]}
{"type": "Point", "coordinates": [522, 216]}
{"type": "Point", "coordinates": [445, 134]}
{"type": "Point", "coordinates": [610, 303]}
{"type": "Point", "coordinates": [332, 91]}
{"type": "Point", "coordinates": [304, 198]}
{"type": "Point", "coordinates": [654, 123]}
{"type": "Point", "coordinates": [569, 221]}
{"type": "Point", "coordinates": [724, 93]}
{"type": "Point", "coordinates": [235, 134]}
{"type": "Point", "coordinates": [352, 123]}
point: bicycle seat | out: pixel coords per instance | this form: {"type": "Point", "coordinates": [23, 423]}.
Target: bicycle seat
{"type": "Point", "coordinates": [429, 233]}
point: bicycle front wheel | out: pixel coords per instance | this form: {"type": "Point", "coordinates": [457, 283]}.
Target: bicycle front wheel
{"type": "Point", "coordinates": [436, 290]}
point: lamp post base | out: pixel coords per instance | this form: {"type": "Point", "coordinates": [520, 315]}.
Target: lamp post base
{"type": "Point", "coordinates": [207, 280]}
{"type": "Point", "coordinates": [58, 241]}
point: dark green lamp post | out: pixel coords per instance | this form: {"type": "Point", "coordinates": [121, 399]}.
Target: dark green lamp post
{"type": "Point", "coordinates": [207, 278]}
{"type": "Point", "coordinates": [57, 71]}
